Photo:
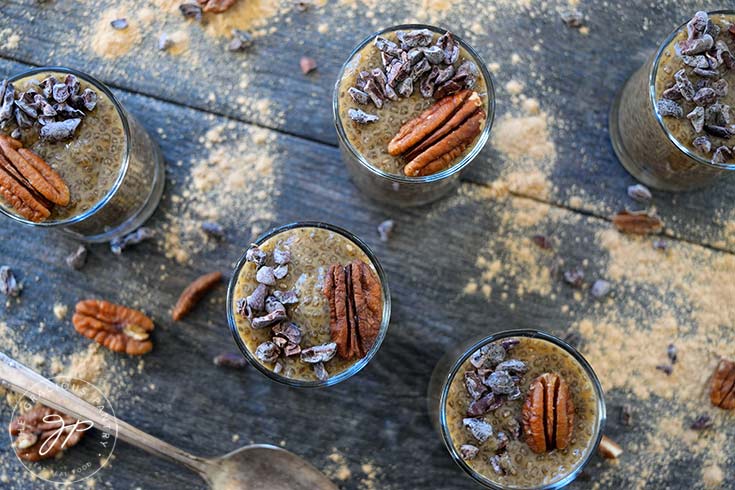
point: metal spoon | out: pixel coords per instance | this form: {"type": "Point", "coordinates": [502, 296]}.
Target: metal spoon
{"type": "Point", "coordinates": [253, 467]}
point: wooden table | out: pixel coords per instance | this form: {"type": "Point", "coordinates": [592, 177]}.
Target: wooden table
{"type": "Point", "coordinates": [379, 417]}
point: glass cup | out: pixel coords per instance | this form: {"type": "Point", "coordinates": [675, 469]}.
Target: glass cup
{"type": "Point", "coordinates": [137, 190]}
{"type": "Point", "coordinates": [360, 363]}
{"type": "Point", "coordinates": [401, 190]}
{"type": "Point", "coordinates": [644, 145]}
{"type": "Point", "coordinates": [451, 363]}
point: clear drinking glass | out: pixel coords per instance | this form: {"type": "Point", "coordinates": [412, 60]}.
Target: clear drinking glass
{"type": "Point", "coordinates": [137, 190]}
{"type": "Point", "coordinates": [352, 370]}
{"type": "Point", "coordinates": [450, 364]}
{"type": "Point", "coordinates": [644, 145]}
{"type": "Point", "coordinates": [401, 190]}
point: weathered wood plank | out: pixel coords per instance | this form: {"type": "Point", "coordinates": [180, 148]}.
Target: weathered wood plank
{"type": "Point", "coordinates": [559, 67]}
{"type": "Point", "coordinates": [379, 417]}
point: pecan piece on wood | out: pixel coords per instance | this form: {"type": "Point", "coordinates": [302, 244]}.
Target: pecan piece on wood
{"type": "Point", "coordinates": [116, 327]}
{"type": "Point", "coordinates": [194, 293]}
{"type": "Point", "coordinates": [637, 223]}
{"type": "Point", "coordinates": [215, 6]}
{"type": "Point", "coordinates": [722, 387]}
{"type": "Point", "coordinates": [433, 140]}
{"type": "Point", "coordinates": [355, 308]}
{"type": "Point", "coordinates": [34, 430]}
{"type": "Point", "coordinates": [548, 414]}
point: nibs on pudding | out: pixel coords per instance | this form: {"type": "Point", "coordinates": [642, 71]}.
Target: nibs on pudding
{"type": "Point", "coordinates": [695, 85]}
{"type": "Point", "coordinates": [522, 413]}
{"type": "Point", "coordinates": [413, 102]}
{"type": "Point", "coordinates": [309, 304]}
{"type": "Point", "coordinates": [61, 146]}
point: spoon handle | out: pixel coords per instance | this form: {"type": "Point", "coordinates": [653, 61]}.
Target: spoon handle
{"type": "Point", "coordinates": [23, 380]}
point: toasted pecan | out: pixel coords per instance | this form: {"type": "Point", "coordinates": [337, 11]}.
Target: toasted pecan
{"type": "Point", "coordinates": [419, 128]}
{"type": "Point", "coordinates": [722, 386]}
{"type": "Point", "coordinates": [35, 173]}
{"type": "Point", "coordinates": [116, 327]}
{"type": "Point", "coordinates": [355, 308]}
{"type": "Point", "coordinates": [193, 293]}
{"type": "Point", "coordinates": [548, 414]}
{"type": "Point", "coordinates": [19, 197]}
{"type": "Point", "coordinates": [637, 223]}
{"type": "Point", "coordinates": [442, 153]}
{"type": "Point", "coordinates": [35, 433]}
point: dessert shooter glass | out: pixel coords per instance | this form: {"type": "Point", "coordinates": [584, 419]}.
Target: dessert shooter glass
{"type": "Point", "coordinates": [401, 190]}
{"type": "Point", "coordinates": [643, 144]}
{"type": "Point", "coordinates": [352, 370]}
{"type": "Point", "coordinates": [450, 364]}
{"type": "Point", "coordinates": [139, 186]}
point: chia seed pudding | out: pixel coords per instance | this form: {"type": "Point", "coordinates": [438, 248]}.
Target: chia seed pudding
{"type": "Point", "coordinates": [498, 415]}
{"type": "Point", "coordinates": [695, 91]}
{"type": "Point", "coordinates": [308, 304]}
{"type": "Point", "coordinates": [397, 77]}
{"type": "Point", "coordinates": [89, 159]}
{"type": "Point", "coordinates": [670, 125]}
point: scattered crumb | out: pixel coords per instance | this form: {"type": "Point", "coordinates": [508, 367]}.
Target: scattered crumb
{"type": "Point", "coordinates": [60, 311]}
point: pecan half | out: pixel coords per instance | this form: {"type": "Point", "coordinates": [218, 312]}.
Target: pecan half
{"type": "Point", "coordinates": [215, 6]}
{"type": "Point", "coordinates": [355, 308]}
{"type": "Point", "coordinates": [637, 223]}
{"type": "Point", "coordinates": [548, 414]}
{"type": "Point", "coordinates": [722, 387]}
{"type": "Point", "coordinates": [193, 293]}
{"type": "Point", "coordinates": [37, 434]}
{"type": "Point", "coordinates": [434, 139]}
{"type": "Point", "coordinates": [28, 183]}
{"type": "Point", "coordinates": [116, 327]}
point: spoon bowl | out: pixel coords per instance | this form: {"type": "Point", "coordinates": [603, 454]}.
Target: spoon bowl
{"type": "Point", "coordinates": [265, 467]}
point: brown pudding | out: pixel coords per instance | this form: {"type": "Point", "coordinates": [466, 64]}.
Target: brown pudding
{"type": "Point", "coordinates": [490, 419]}
{"type": "Point", "coordinates": [292, 298]}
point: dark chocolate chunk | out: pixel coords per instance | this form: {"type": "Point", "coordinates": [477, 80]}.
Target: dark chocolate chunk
{"type": "Point", "coordinates": [240, 41]}
{"type": "Point", "coordinates": [705, 96]}
{"type": "Point", "coordinates": [361, 117]}
{"type": "Point", "coordinates": [574, 277]}
{"type": "Point", "coordinates": [703, 422]}
{"type": "Point", "coordinates": [320, 371]}
{"type": "Point", "coordinates": [666, 368]}
{"type": "Point", "coordinates": [267, 352]}
{"type": "Point", "coordinates": [450, 48]}
{"type": "Point", "coordinates": [358, 95]}
{"type": "Point", "coordinates": [288, 330]}
{"type": "Point", "coordinates": [255, 255]}
{"type": "Point", "coordinates": [119, 24]}
{"type": "Point", "coordinates": [59, 130]}
{"type": "Point", "coordinates": [230, 360]}
{"type": "Point", "coordinates": [447, 88]}
{"type": "Point", "coordinates": [479, 428]}
{"type": "Point", "coordinates": [191, 11]}
{"type": "Point", "coordinates": [428, 84]}
{"type": "Point", "coordinates": [671, 352]}
{"type": "Point", "coordinates": [9, 285]}
{"type": "Point", "coordinates": [697, 25]}
{"type": "Point", "coordinates": [572, 18]}
{"type": "Point", "coordinates": [388, 47]}
{"type": "Point", "coordinates": [719, 131]}
{"type": "Point", "coordinates": [77, 258]}
{"type": "Point", "coordinates": [513, 366]}
{"type": "Point", "coordinates": [433, 54]}
{"type": "Point", "coordinates": [698, 61]}
{"type": "Point", "coordinates": [686, 89]}
{"type": "Point", "coordinates": [319, 353]}
{"type": "Point", "coordinates": [704, 72]}
{"type": "Point", "coordinates": [695, 46]}
{"type": "Point", "coordinates": [414, 39]}
{"type": "Point", "coordinates": [276, 316]}
{"type": "Point", "coordinates": [213, 229]}
{"type": "Point", "coordinates": [669, 108]}
{"type": "Point", "coordinates": [256, 301]}
{"type": "Point", "coordinates": [141, 234]}
{"type": "Point", "coordinates": [722, 155]}
{"type": "Point", "coordinates": [542, 241]}
{"type": "Point", "coordinates": [703, 144]}
{"type": "Point", "coordinates": [500, 382]}
{"type": "Point", "coordinates": [474, 385]}
{"type": "Point", "coordinates": [697, 119]}
{"type": "Point", "coordinates": [483, 405]}
{"type": "Point", "coordinates": [8, 98]}
{"type": "Point", "coordinates": [385, 229]}
{"type": "Point", "coordinates": [468, 451]}
{"type": "Point", "coordinates": [280, 272]}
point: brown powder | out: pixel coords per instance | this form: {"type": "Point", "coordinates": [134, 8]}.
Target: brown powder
{"type": "Point", "coordinates": [111, 43]}
{"type": "Point", "coordinates": [233, 185]}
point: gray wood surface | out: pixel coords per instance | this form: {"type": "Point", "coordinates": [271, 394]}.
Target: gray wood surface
{"type": "Point", "coordinates": [380, 415]}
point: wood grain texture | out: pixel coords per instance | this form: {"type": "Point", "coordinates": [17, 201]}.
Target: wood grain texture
{"type": "Point", "coordinates": [380, 416]}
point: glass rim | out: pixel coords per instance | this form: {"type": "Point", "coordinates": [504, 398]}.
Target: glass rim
{"type": "Point", "coordinates": [529, 333]}
{"type": "Point", "coordinates": [448, 172]}
{"type": "Point", "coordinates": [358, 365]}
{"type": "Point", "coordinates": [652, 94]}
{"type": "Point", "coordinates": [125, 158]}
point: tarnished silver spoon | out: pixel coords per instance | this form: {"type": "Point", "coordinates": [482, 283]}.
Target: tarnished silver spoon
{"type": "Point", "coordinates": [253, 467]}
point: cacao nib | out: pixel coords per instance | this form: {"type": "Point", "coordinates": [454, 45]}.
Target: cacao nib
{"type": "Point", "coordinates": [9, 285]}
{"type": "Point", "coordinates": [230, 360]}
{"type": "Point", "coordinates": [319, 353]}
{"type": "Point", "coordinates": [669, 108]}
{"type": "Point", "coordinates": [191, 11]}
{"type": "Point", "coordinates": [78, 258]}
{"type": "Point", "coordinates": [119, 24]}
{"type": "Point", "coordinates": [141, 234]}
{"type": "Point", "coordinates": [362, 117]}
{"type": "Point", "coordinates": [696, 117]}
{"type": "Point", "coordinates": [358, 96]}
{"type": "Point", "coordinates": [58, 130]}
